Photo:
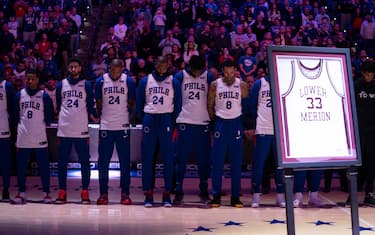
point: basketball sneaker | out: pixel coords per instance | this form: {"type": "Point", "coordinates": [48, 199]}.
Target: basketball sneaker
{"type": "Point", "coordinates": [125, 199]}
{"type": "Point", "coordinates": [47, 199]}
{"type": "Point", "coordinates": [204, 197]}
{"type": "Point", "coordinates": [19, 199]}
{"type": "Point", "coordinates": [102, 200]}
{"type": "Point", "coordinates": [280, 200]}
{"type": "Point", "coordinates": [369, 200]}
{"type": "Point", "coordinates": [149, 199]}
{"type": "Point", "coordinates": [298, 200]}
{"type": "Point", "coordinates": [235, 202]}
{"type": "Point", "coordinates": [167, 199]}
{"type": "Point", "coordinates": [314, 200]}
{"type": "Point", "coordinates": [85, 199]}
{"type": "Point", "coordinates": [61, 197]}
{"type": "Point", "coordinates": [216, 201]}
{"type": "Point", "coordinates": [256, 200]}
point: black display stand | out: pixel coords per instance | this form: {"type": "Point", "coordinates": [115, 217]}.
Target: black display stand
{"type": "Point", "coordinates": [288, 177]}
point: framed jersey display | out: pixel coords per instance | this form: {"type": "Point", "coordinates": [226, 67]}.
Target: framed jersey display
{"type": "Point", "coordinates": [313, 107]}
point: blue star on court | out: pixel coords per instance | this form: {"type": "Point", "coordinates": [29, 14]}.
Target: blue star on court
{"type": "Point", "coordinates": [232, 223]}
{"type": "Point", "coordinates": [201, 228]}
{"type": "Point", "coordinates": [276, 221]}
{"type": "Point", "coordinates": [366, 228]}
{"type": "Point", "coordinates": [319, 222]}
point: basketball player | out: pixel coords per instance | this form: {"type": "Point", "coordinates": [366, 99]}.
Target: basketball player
{"type": "Point", "coordinates": [365, 103]}
{"type": "Point", "coordinates": [158, 104]}
{"type": "Point", "coordinates": [74, 99]}
{"type": "Point", "coordinates": [33, 111]}
{"type": "Point", "coordinates": [115, 95]}
{"type": "Point", "coordinates": [225, 109]}
{"type": "Point", "coordinates": [261, 112]}
{"type": "Point", "coordinates": [193, 125]}
{"type": "Point", "coordinates": [6, 110]}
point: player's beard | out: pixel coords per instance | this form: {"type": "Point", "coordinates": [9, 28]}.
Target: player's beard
{"type": "Point", "coordinates": [74, 75]}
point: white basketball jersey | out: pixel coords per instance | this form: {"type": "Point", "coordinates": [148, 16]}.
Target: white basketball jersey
{"type": "Point", "coordinates": [228, 99]}
{"type": "Point", "coordinates": [52, 95]}
{"type": "Point", "coordinates": [73, 117]}
{"type": "Point", "coordinates": [159, 96]}
{"type": "Point", "coordinates": [264, 120]}
{"type": "Point", "coordinates": [194, 100]}
{"type": "Point", "coordinates": [31, 129]}
{"type": "Point", "coordinates": [4, 116]}
{"type": "Point", "coordinates": [115, 115]}
{"type": "Point", "coordinates": [318, 105]}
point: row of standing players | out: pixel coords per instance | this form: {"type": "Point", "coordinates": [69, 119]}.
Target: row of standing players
{"type": "Point", "coordinates": [193, 102]}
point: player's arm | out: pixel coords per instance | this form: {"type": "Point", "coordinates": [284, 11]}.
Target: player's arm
{"type": "Point", "coordinates": [10, 100]}
{"type": "Point", "coordinates": [131, 91]}
{"type": "Point", "coordinates": [177, 99]}
{"type": "Point", "coordinates": [99, 95]}
{"type": "Point", "coordinates": [16, 110]}
{"type": "Point", "coordinates": [179, 77]}
{"type": "Point", "coordinates": [244, 90]}
{"type": "Point", "coordinates": [211, 100]}
{"type": "Point", "coordinates": [48, 109]}
{"type": "Point", "coordinates": [131, 95]}
{"type": "Point", "coordinates": [210, 79]}
{"type": "Point", "coordinates": [141, 98]}
{"type": "Point", "coordinates": [253, 102]}
{"type": "Point", "coordinates": [58, 96]}
{"type": "Point", "coordinates": [90, 101]}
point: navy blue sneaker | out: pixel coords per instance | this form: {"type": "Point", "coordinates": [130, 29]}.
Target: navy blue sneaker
{"type": "Point", "coordinates": [149, 199]}
{"type": "Point", "coordinates": [167, 199]}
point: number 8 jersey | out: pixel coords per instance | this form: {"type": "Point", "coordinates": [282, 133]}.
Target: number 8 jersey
{"type": "Point", "coordinates": [73, 117]}
{"type": "Point", "coordinates": [228, 99]}
{"type": "Point", "coordinates": [31, 129]}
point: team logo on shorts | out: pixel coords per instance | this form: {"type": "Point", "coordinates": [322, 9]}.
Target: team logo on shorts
{"type": "Point", "coordinates": [217, 134]}
{"type": "Point", "coordinates": [104, 134]}
{"type": "Point", "coordinates": [146, 129]}
{"type": "Point", "coordinates": [125, 134]}
{"type": "Point", "coordinates": [239, 136]}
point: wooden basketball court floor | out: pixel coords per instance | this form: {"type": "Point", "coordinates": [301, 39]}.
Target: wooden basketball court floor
{"type": "Point", "coordinates": [193, 217]}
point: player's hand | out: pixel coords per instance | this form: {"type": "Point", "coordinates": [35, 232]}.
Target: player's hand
{"type": "Point", "coordinates": [94, 119]}
{"type": "Point", "coordinates": [249, 134]}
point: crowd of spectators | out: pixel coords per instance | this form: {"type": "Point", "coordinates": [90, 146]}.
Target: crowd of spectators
{"type": "Point", "coordinates": [43, 34]}
{"type": "Point", "coordinates": [233, 30]}
{"type": "Point", "coordinates": [40, 35]}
